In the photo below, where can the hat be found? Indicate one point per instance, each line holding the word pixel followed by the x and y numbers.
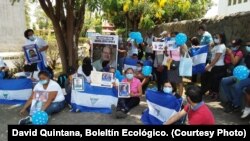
pixel 1 63
pixel 164 33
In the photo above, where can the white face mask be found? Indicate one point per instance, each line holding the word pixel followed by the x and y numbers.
pixel 217 41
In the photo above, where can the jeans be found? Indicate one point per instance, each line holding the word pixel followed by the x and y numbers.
pixel 120 64
pixel 128 103
pixel 226 91
pixel 55 107
pixel 238 95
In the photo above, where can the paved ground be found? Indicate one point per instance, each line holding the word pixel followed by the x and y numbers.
pixel 9 115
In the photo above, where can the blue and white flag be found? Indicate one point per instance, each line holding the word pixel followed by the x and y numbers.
pixel 161 107
pixel 94 99
pixel 199 56
pixel 130 63
pixel 15 91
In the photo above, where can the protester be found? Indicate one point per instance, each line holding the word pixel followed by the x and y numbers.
pixel 144 79
pixel 106 55
pixel 29 71
pixel 115 80
pixel 68 84
pixel 246 111
pixel 126 104
pixel 140 50
pixel 233 56
pixel 196 110
pixel 122 53
pixel 217 65
pixel 3 69
pixel 169 88
pixel 232 89
pixel 195 43
pixel 53 101
pixel 41 44
pixel 206 39
pixel 85 69
pixel 149 49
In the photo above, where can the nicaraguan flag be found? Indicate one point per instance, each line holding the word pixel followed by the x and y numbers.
pixel 160 107
pixel 94 99
pixel 199 56
pixel 15 91
pixel 130 63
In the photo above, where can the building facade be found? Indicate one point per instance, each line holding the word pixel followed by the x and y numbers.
pixel 227 7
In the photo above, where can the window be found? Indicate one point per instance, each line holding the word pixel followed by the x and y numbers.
pixel 234 2
pixel 229 2
pixel 239 1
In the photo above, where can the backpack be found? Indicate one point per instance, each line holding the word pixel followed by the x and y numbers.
pixel 61 80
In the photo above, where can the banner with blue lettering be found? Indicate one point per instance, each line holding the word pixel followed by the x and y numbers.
pixel 94 99
pixel 15 91
pixel 161 107
pixel 199 56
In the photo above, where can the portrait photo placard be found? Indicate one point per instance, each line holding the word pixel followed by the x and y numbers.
pixel 104 49
pixel 78 84
pixel 32 54
pixel 124 90
pixel 101 79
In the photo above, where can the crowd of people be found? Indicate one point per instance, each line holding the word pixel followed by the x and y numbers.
pixel 216 81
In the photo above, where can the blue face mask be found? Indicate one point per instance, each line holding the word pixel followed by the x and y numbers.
pixel 248 49
pixel 167 90
pixel 32 38
pixel 129 76
pixel 43 82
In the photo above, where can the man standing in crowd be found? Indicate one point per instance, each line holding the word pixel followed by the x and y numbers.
pixel 41 44
pixel 206 39
pixel 196 110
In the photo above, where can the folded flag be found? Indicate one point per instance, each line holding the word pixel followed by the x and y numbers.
pixel 15 91
pixel 199 56
pixel 161 107
pixel 94 99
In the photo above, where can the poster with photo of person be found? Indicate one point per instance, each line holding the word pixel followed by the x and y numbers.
pixel 78 84
pixel 104 51
pixel 102 79
pixel 158 46
pixel 32 54
pixel 124 90
pixel 38 101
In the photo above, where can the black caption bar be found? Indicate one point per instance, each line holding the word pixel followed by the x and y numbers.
pixel 87 132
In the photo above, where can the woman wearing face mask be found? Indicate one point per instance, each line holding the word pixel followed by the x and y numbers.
pixel 233 56
pixel 126 104
pixel 138 74
pixel 170 88
pixel 217 65
pixel 54 102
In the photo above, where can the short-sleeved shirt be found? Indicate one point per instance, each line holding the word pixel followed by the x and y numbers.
pixel 134 85
pixel 52 87
pixel 200 116
pixel 40 43
pixel 219 49
pixel 235 53
pixel 206 38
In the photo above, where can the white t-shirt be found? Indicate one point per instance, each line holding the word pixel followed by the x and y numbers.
pixel 219 49
pixel 35 75
pixel 40 43
pixel 53 86
pixel 79 71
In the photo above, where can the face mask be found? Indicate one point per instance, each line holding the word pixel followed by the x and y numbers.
pixel 248 49
pixel 138 68
pixel 167 90
pixel 43 82
pixel 32 38
pixel 234 48
pixel 129 76
pixel 217 41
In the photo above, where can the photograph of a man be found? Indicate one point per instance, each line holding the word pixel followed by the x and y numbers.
pixel 32 53
pixel 107 54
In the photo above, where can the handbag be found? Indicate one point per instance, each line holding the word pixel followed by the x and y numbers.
pixel 173 64
pixel 186 65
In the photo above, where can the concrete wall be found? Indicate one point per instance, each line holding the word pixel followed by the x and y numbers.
pixel 234 26
pixel 12 25
pixel 225 9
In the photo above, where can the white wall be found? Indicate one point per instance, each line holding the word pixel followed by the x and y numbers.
pixel 224 9
pixel 12 25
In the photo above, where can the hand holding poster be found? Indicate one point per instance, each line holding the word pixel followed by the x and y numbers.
pixel 158 46
pixel 32 54
pixel 124 90
pixel 102 79
pixel 104 48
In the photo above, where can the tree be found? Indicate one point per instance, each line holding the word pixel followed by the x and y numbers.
pixel 67 17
